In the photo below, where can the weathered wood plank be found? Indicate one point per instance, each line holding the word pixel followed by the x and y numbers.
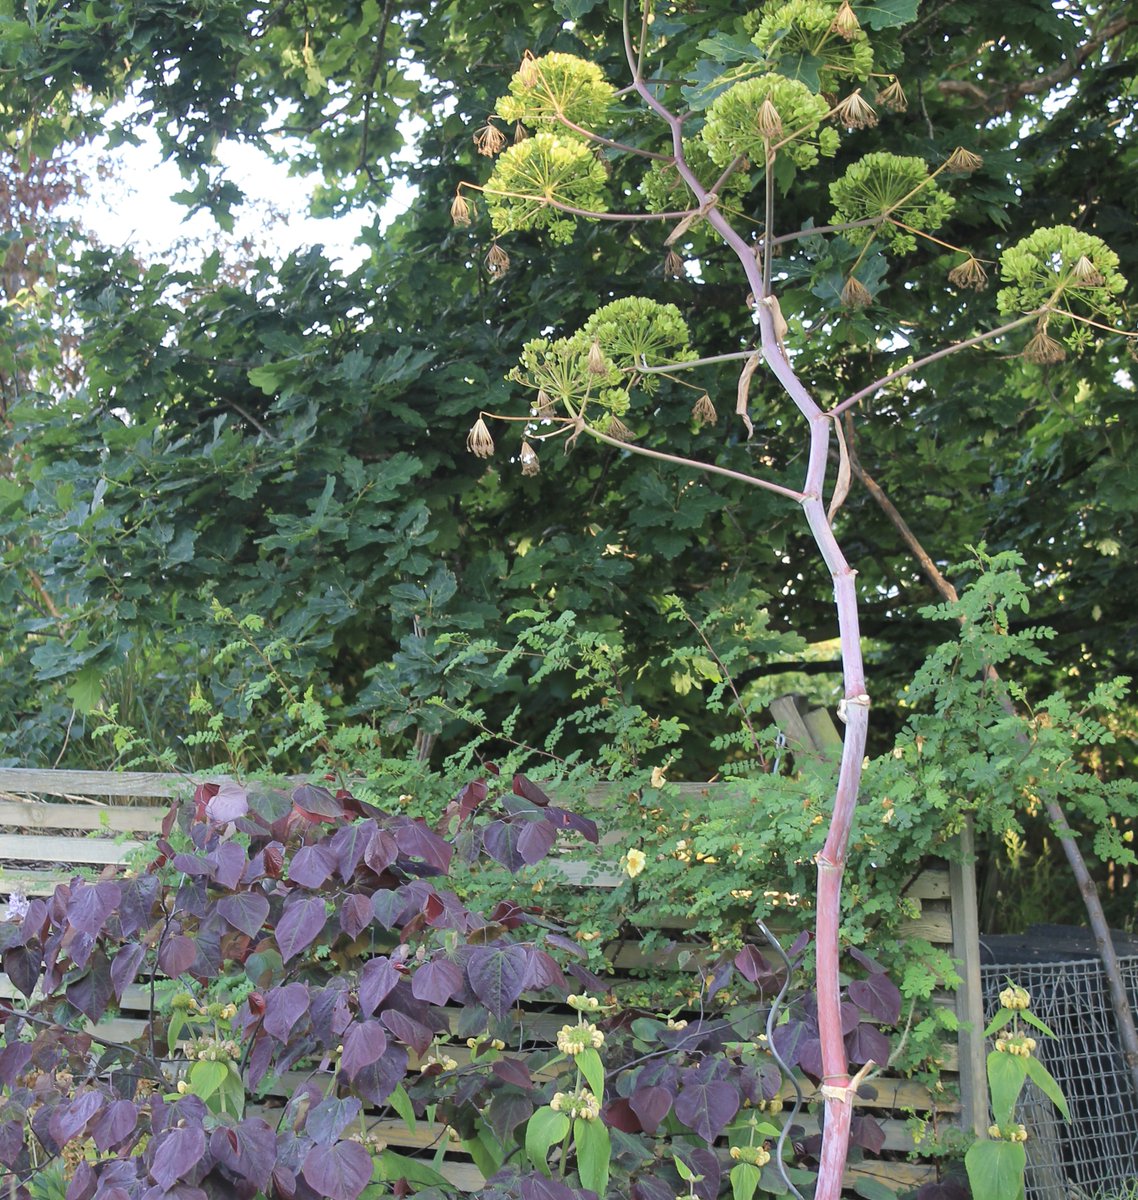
pixel 111 818
pixel 969 997
pixel 92 783
pixel 34 847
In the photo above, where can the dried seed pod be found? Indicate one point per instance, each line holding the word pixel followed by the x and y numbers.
pixel 963 162
pixel 855 113
pixel 544 409
pixel 969 274
pixel 1087 274
pixel 596 359
pixel 769 122
pixel 703 411
pixel 528 457
pixel 527 72
pixel 855 294
pixel 520 133
pixel 1043 348
pixel 674 267
pixel 478 440
pixel 461 211
pixel 893 97
pixel 489 140
pixel 845 22
pixel 497 261
pixel 616 428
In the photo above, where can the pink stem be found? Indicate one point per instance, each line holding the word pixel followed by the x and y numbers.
pixel 831 859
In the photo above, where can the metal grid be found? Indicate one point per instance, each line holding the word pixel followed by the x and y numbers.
pixel 1095 1154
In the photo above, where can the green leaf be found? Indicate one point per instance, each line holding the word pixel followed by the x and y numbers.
pixel 1032 1019
pixel 574 10
pixel 589 1064
pixel 1045 1081
pixel 544 1129
pixel 996 1170
pixel 178 1022
pixel 390 1165
pixel 744 1180
pixel 401 1102
pixel 1006 1075
pixel 874 1189
pixel 999 1021
pixel 594 1151
pixel 86 689
pixel 887 14
pixel 206 1077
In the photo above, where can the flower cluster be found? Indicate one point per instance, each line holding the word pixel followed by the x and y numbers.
pixel 209 1049
pixel 818 29
pixel 634 862
pixel 1016 1044
pixel 757 1156
pixel 889 185
pixel 1012 1133
pixel 545 89
pixel 1015 998
pixel 583 1003
pixel 582 1104
pixel 572 1039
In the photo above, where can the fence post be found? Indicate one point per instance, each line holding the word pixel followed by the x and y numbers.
pixel 969 998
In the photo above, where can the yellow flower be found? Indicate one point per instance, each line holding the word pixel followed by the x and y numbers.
pixel 572 1039
pixel 634 862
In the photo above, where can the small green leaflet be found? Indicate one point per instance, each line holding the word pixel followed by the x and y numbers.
pixel 887 14
pixel 574 10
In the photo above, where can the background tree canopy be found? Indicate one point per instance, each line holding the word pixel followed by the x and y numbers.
pixel 288 439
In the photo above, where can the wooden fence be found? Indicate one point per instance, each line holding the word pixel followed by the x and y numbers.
pixel 55 823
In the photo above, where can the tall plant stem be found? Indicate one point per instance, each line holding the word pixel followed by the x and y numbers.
pixel 1120 1001
pixel 831 859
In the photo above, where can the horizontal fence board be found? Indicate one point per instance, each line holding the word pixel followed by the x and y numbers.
pixel 112 818
pixel 33 847
pixel 150 784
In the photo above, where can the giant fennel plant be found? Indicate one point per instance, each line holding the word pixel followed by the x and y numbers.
pixel 777 107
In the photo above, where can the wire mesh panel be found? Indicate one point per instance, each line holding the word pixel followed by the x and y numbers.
pixel 1095 1154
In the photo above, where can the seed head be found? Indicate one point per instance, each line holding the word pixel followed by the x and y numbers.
pixel 845 23
pixel 528 457
pixel 1087 274
pixel 963 162
pixel 703 411
pixel 855 113
pixel 497 261
pixel 855 294
pixel 489 140
pixel 527 72
pixel 520 133
pixel 616 428
pixel 893 97
pixel 674 267
pixel 1043 348
pixel 596 359
pixel 478 440
pixel 769 122
pixel 461 211
pixel 969 274
pixel 545 408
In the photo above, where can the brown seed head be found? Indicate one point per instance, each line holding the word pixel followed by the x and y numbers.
pixel 545 409
pixel 520 133
pixel 769 122
pixel 674 267
pixel 489 140
pixel 963 162
pixel 497 261
pixel 461 211
pixel 478 440
pixel 845 23
pixel 528 458
pixel 1086 273
pixel 703 411
pixel 855 294
pixel 1043 348
pixel 596 360
pixel 893 97
pixel 527 72
pixel 970 274
pixel 855 113
pixel 616 428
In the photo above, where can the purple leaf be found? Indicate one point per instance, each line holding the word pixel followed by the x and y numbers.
pixel 22 966
pixel 497 976
pixel 568 820
pixel 542 972
pixel 867 1042
pixel 116 1124
pixel 703 1162
pixel 330 1118
pixel 70 1120
pixel 91 904
pixel 311 866
pixel 528 790
pixel 436 981
pixel 810 1056
pixel 755 968
pixel 500 840
pixel 300 925
pixel 356 914
pixel 409 1031
pixel 124 967
pixel 388 907
pixel 535 840
pixel 245 911
pixel 707 1107
pixel 230 803
pixel 348 845
pixel 364 1043
pixel 878 997
pixel 380 851
pixel 91 994
pixel 867 1133
pixel 339 1172
pixel 417 841
pixel 317 803
pixel 377 979
pixel 870 964
pixel 284 1006
pixel 651 1187
pixel 177 954
pixel 651 1105
pixel 176 1152
pixel 512 1070
pixel 537 1187
pixel 379 1079
pixel 248 1149
pixel 228 862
